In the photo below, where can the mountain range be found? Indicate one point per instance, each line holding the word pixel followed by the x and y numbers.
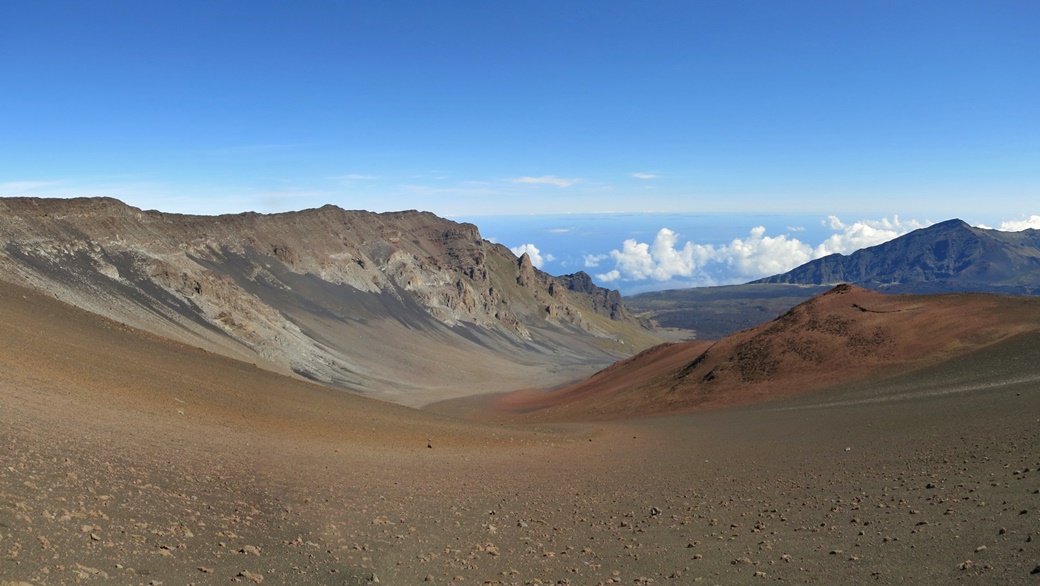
pixel 404 306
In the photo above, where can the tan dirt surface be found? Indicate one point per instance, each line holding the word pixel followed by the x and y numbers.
pixel 125 459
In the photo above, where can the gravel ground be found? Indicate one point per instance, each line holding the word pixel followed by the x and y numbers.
pixel 173 466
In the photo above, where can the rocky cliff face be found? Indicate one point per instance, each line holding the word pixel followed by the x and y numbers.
pixel 379 303
pixel 946 257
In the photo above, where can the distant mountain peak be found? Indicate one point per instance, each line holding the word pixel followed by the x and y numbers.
pixel 944 257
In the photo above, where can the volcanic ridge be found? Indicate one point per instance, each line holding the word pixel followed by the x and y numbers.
pixel 401 306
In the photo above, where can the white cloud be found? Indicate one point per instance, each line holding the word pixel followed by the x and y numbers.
pixel 862 234
pixel 759 255
pixel 1019 225
pixel 357 177
pixel 659 261
pixel 547 180
pixel 742 259
pixel 538 258
pixel 645 175
pixel 592 260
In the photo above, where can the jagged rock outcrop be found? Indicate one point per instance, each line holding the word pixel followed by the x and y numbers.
pixel 606 301
pixel 344 297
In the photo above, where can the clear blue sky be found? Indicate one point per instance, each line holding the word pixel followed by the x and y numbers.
pixel 863 110
pixel 466 108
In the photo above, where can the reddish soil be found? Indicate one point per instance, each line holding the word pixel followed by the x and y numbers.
pixel 846 335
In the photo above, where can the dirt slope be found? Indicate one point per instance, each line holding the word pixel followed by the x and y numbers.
pixel 842 336
pixel 128 459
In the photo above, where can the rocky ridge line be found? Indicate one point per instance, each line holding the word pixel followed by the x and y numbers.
pixel 290 288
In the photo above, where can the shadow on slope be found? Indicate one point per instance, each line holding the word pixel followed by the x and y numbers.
pixel 404 306
pixel 67 363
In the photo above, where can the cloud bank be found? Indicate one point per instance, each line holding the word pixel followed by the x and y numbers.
pixel 538 258
pixel 1019 225
pixel 742 259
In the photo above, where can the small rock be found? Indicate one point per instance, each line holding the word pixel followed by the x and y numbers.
pixel 930 485
pixel 654 511
pixel 250 550
pixel 966 564
pixel 254 578
pixel 1036 570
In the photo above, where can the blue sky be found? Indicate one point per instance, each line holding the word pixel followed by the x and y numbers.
pixel 862 110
